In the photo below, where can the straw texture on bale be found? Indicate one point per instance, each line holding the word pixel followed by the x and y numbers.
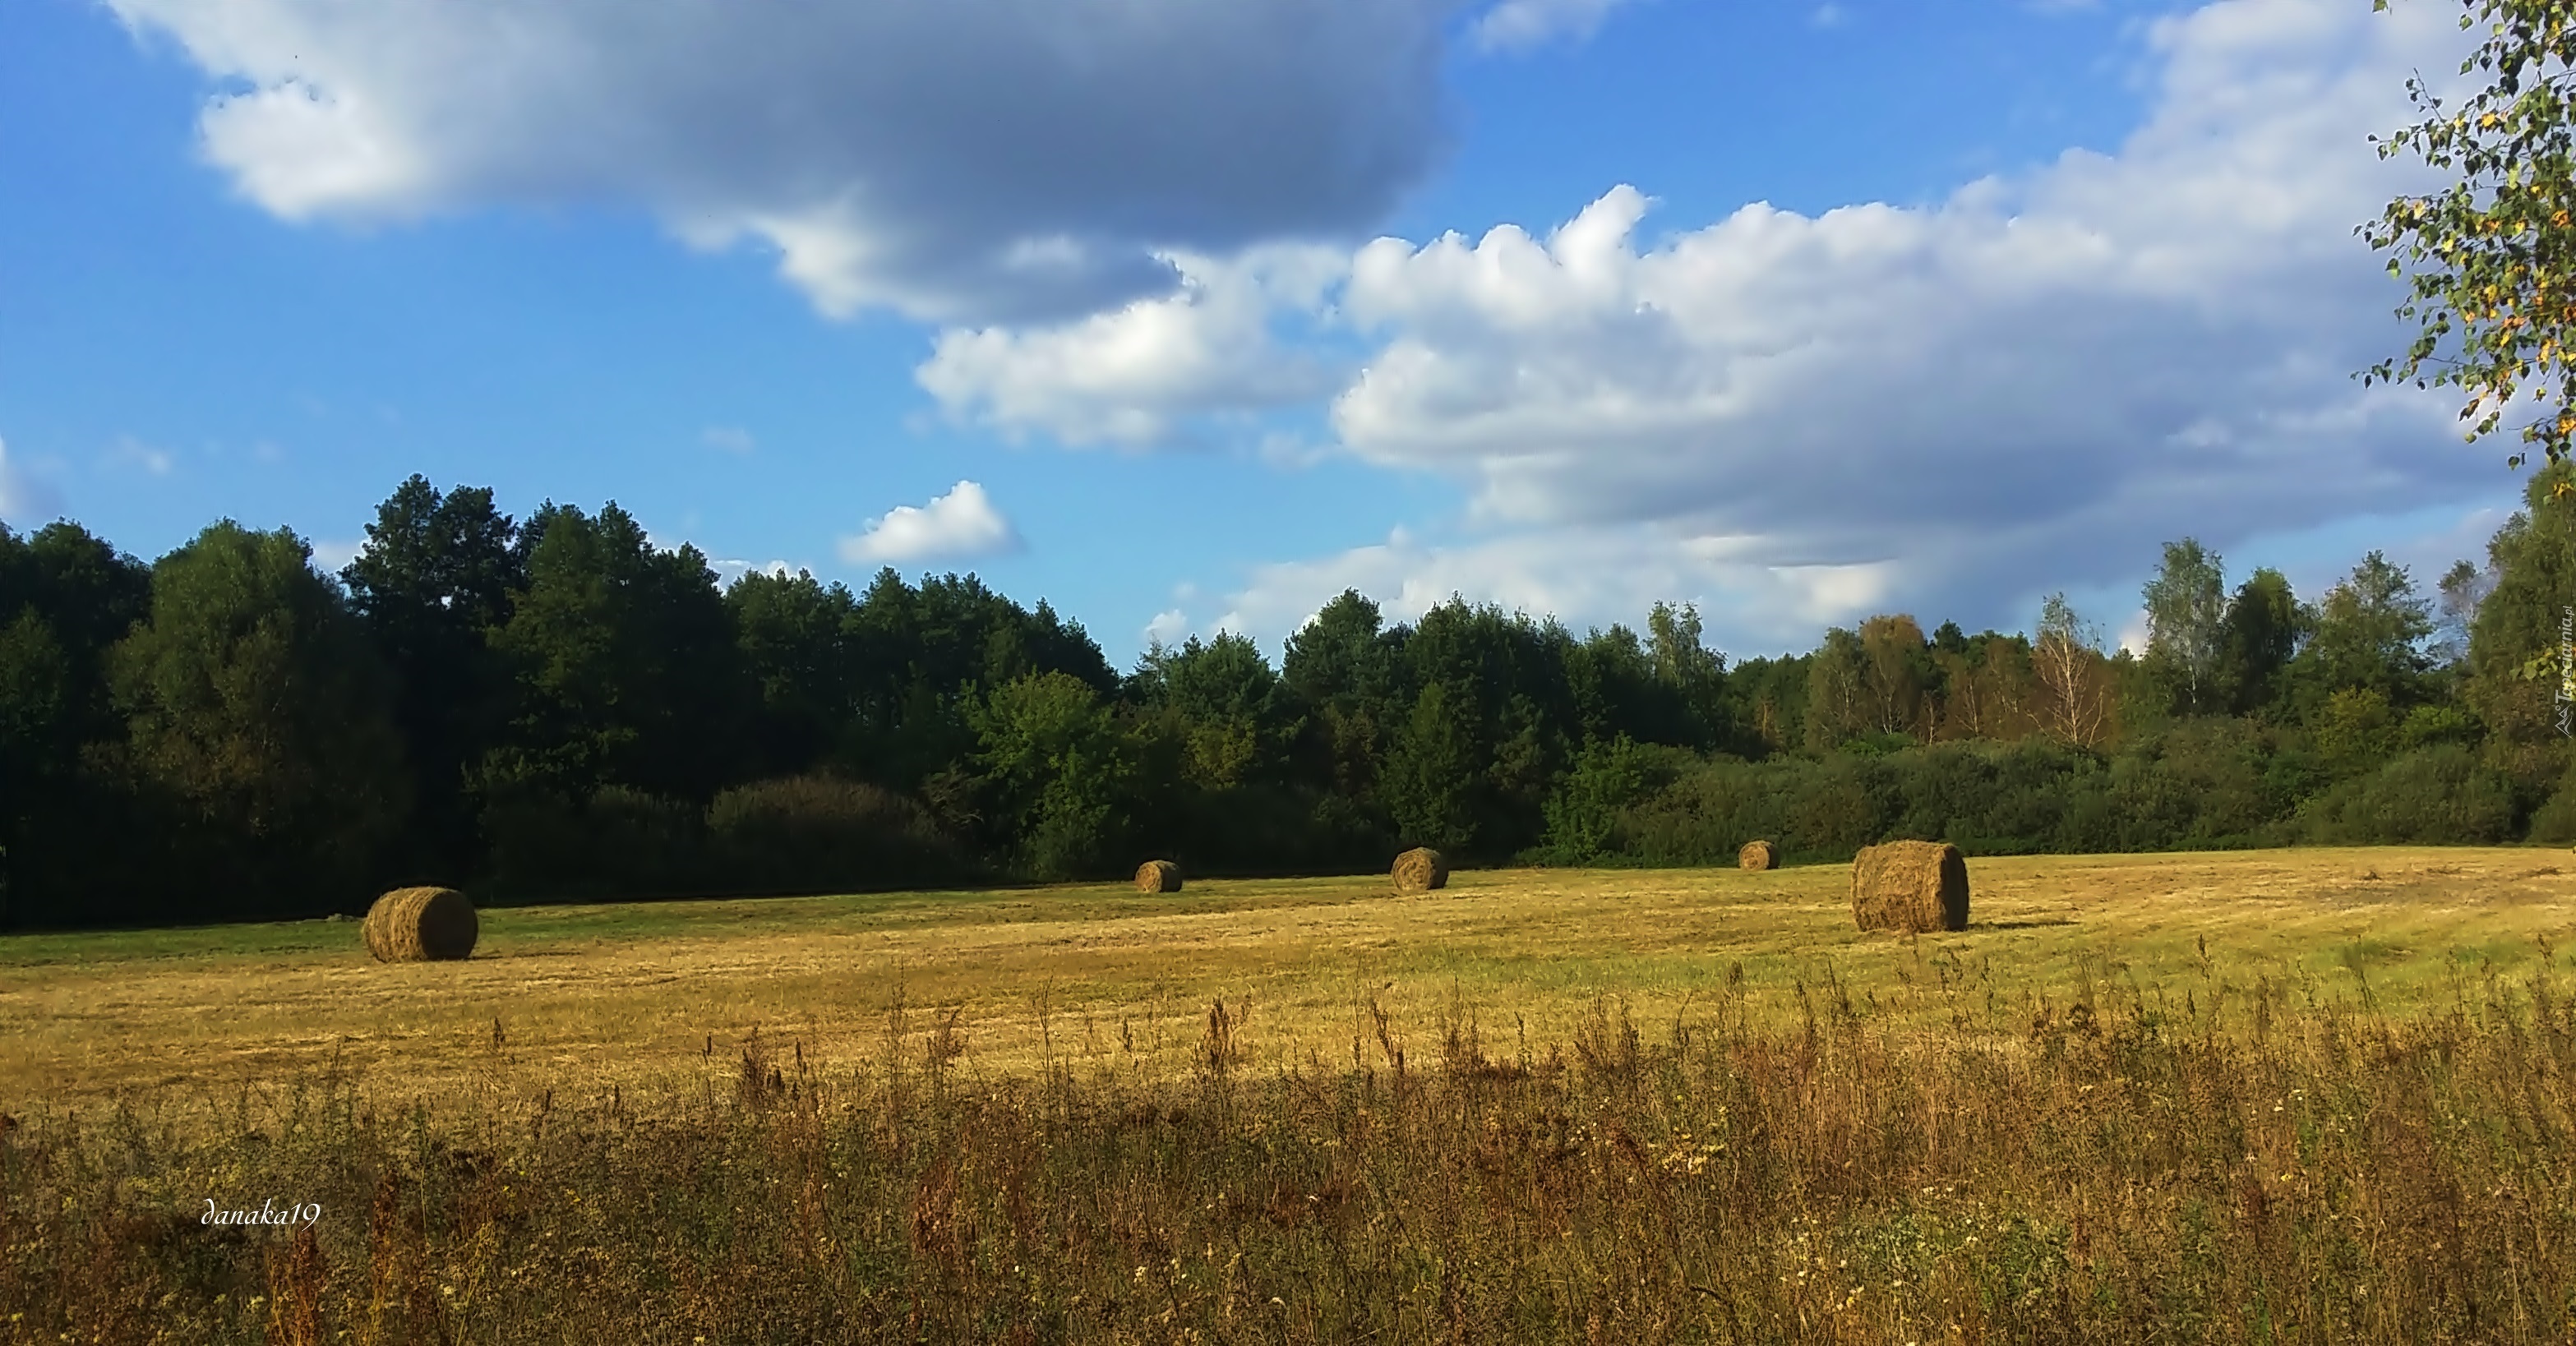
pixel 1158 876
pixel 1758 855
pixel 412 925
pixel 1420 870
pixel 1910 886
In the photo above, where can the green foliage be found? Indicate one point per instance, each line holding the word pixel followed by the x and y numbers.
pixel 1430 786
pixel 2437 794
pixel 1062 773
pixel 2369 633
pixel 252 698
pixel 2187 627
pixel 617 841
pixel 1584 815
pixel 1226 706
pixel 2264 626
pixel 561 709
pixel 826 834
pixel 626 663
pixel 2519 632
pixel 2490 258
pixel 436 577
pixel 792 631
pixel 2354 731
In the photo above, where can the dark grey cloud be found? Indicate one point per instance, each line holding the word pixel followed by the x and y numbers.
pixel 955 159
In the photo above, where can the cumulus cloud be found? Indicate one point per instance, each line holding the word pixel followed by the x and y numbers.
pixel 2030 383
pixel 962 523
pixel 1952 407
pixel 959 161
pixel 1518 25
pixel 1139 375
pixel 1596 573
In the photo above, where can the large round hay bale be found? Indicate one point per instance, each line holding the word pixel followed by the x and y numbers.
pixel 1158 876
pixel 412 925
pixel 1758 855
pixel 1910 886
pixel 1420 870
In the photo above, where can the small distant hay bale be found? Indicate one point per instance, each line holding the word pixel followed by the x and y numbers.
pixel 1911 886
pixel 1420 870
pixel 413 925
pixel 1158 876
pixel 1758 855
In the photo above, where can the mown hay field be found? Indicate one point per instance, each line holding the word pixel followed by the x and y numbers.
pixel 594 996
pixel 2263 1097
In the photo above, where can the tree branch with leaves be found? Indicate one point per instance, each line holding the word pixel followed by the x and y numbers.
pixel 2490 260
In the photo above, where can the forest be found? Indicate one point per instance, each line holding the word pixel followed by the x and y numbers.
pixel 554 708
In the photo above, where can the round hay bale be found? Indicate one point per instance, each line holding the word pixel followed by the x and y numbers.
pixel 1758 855
pixel 1420 870
pixel 1910 886
pixel 1158 876
pixel 413 925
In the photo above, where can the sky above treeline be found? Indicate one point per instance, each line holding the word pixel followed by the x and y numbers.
pixel 1189 314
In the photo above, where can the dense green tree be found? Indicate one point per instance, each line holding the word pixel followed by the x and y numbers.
pixel 626 665
pixel 1061 773
pixel 2368 632
pixel 253 699
pixel 2265 625
pixel 66 598
pixel 2519 685
pixel 435 578
pixel 1343 669
pixel 1507 713
pixel 795 635
pixel 920 655
pixel 1229 708
pixel 1432 784
pixel 1767 704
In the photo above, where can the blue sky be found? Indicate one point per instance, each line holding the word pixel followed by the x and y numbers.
pixel 1153 308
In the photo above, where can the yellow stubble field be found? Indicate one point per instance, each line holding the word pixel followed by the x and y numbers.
pixel 1100 979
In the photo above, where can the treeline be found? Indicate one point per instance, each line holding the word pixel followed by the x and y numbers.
pixel 555 708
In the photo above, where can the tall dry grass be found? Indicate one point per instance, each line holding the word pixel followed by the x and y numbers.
pixel 2204 1164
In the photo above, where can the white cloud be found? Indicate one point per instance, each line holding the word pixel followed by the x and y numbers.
pixel 1518 25
pixel 1585 573
pixel 955 161
pixel 734 568
pixel 1167 628
pixel 961 523
pixel 727 439
pixel 2027 385
pixel 25 500
pixel 1139 375
pixel 127 451
pixel 335 554
pixel 1952 408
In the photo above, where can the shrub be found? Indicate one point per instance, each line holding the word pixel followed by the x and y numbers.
pixel 2436 794
pixel 619 842
pixel 823 833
